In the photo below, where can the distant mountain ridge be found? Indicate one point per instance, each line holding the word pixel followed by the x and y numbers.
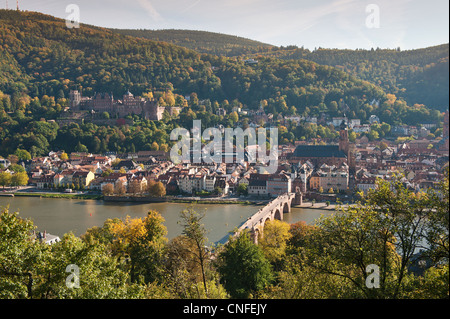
pixel 202 41
pixel 47 58
pixel 419 76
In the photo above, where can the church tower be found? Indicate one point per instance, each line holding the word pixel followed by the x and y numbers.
pixel 346 148
pixel 343 138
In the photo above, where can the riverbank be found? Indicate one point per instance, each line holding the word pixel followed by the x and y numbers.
pixel 134 199
pixel 59 195
pixel 186 200
pixel 222 201
pixel 60 216
pixel 170 199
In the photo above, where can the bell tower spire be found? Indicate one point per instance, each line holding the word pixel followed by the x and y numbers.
pixel 343 138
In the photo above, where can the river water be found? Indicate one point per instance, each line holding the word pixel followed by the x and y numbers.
pixel 60 216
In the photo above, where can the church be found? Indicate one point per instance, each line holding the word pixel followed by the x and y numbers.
pixel 325 154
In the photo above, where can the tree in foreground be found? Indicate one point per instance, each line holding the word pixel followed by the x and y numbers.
pixel 141 241
pixel 370 250
pixel 243 268
pixel 35 270
pixel 274 241
pixel 195 231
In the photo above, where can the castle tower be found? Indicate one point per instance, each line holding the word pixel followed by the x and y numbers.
pixel 151 110
pixel 74 98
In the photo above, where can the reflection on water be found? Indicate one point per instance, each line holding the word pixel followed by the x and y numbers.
pixel 60 216
pixel 308 215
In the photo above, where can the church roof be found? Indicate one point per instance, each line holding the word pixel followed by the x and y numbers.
pixel 318 151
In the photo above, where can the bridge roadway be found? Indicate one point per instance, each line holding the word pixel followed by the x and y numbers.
pixel 275 209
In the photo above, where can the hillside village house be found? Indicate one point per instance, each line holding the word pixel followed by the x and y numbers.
pixel 209 183
pixel 257 185
pixel 44 182
pixel 4 162
pixel 137 184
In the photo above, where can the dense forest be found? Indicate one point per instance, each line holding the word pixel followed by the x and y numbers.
pixel 48 58
pixel 42 60
pixel 51 58
pixel 419 76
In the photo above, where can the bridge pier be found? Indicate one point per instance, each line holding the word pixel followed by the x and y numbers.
pixel 298 200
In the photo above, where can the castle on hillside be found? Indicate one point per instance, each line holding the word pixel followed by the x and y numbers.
pixel 129 105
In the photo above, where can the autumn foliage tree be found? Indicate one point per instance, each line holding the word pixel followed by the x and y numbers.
pixel 108 189
pixel 274 240
pixel 139 242
pixel 156 189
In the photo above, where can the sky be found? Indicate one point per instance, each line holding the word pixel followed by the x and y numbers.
pixel 342 24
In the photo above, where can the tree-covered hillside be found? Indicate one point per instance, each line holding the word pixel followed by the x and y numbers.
pixel 48 58
pixel 202 41
pixel 41 60
pixel 419 76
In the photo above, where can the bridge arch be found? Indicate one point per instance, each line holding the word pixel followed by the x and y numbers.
pixel 275 209
pixel 278 215
pixel 287 207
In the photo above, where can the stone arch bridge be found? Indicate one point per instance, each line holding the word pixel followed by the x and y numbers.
pixel 275 209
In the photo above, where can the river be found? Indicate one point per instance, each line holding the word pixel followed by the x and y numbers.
pixel 60 216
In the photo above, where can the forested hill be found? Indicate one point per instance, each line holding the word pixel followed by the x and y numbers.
pixel 41 60
pixel 45 57
pixel 41 56
pixel 203 41
pixel 419 76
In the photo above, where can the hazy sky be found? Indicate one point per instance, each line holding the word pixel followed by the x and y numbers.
pixel 407 24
